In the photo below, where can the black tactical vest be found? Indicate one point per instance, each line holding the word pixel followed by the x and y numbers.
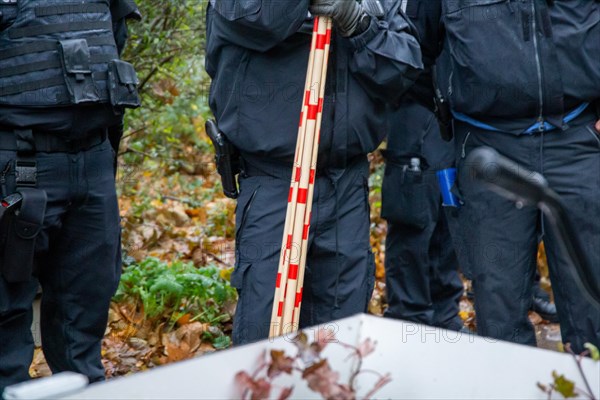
pixel 61 52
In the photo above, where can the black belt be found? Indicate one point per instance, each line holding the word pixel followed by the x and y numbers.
pixel 263 166
pixel 52 143
pixel 272 169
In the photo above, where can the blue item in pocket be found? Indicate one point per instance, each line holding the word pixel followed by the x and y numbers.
pixel 446 179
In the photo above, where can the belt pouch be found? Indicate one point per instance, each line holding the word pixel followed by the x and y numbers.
pixel 20 230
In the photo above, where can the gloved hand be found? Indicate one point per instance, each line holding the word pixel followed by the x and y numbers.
pixel 346 14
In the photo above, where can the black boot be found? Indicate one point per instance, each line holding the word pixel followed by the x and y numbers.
pixel 541 304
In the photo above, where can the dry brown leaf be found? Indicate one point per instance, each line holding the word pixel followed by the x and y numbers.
pixel 285 393
pixel 322 379
pixel 174 349
pixel 535 318
pixel 205 348
pixel 39 368
pixel 172 214
pixel 190 334
pixel 323 337
pixel 366 347
pixel 280 363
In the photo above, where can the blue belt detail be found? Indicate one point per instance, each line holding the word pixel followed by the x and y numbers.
pixel 471 121
pixel 532 129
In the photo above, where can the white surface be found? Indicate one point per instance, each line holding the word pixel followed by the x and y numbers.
pixel 49 388
pixel 425 363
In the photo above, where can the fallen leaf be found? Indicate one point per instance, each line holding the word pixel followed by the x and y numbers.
pixel 366 347
pixel 184 319
pixel 323 380
pixel 174 348
pixel 564 386
pixel 535 318
pixel 280 363
pixel 258 389
pixel 286 393
pixel 323 337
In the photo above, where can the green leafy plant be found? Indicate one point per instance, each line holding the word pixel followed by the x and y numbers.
pixel 169 292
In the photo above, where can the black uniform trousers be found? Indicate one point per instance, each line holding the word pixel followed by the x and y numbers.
pixel 77 264
pixel 340 270
pixel 421 271
pixel 499 241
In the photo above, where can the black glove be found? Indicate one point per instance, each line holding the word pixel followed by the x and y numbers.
pixel 347 14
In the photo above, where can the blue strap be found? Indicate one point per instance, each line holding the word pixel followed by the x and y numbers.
pixel 570 117
pixel 575 113
pixel 536 127
pixel 465 118
pixel 533 128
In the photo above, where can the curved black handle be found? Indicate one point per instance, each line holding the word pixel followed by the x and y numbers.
pixel 507 177
pixel 525 187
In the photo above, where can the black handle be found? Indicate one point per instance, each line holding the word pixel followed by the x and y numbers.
pixel 226 158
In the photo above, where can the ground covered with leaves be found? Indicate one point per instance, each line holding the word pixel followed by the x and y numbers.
pixel 174 301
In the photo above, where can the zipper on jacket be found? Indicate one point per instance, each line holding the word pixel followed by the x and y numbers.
pixel 538 66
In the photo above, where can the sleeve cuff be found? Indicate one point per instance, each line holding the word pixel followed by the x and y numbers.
pixel 359 42
pixel 125 9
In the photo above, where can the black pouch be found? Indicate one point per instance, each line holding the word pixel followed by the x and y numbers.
pixel 406 197
pixel 122 85
pixel 76 60
pixel 19 231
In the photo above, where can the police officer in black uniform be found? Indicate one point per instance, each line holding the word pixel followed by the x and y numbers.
pixel 257 54
pixel 421 271
pixel 524 78
pixel 63 90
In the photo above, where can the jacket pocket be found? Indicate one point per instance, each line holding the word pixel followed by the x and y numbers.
pixel 232 10
pixel 479 84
